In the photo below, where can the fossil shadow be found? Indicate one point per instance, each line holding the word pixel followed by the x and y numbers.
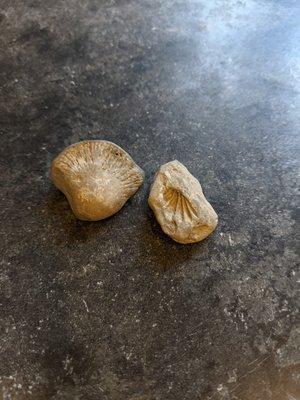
pixel 162 252
pixel 67 227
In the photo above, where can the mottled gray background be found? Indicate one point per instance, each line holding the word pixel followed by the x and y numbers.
pixel 115 310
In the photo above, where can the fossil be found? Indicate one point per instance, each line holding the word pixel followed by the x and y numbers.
pixel 178 202
pixel 97 177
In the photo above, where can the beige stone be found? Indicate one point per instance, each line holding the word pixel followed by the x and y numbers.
pixel 97 177
pixel 179 204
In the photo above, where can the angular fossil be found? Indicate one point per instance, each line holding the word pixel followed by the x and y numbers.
pixel 97 177
pixel 179 205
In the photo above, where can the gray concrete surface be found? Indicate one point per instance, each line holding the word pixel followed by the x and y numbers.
pixel 115 310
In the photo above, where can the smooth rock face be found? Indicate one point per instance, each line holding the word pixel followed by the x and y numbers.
pixel 97 177
pixel 179 204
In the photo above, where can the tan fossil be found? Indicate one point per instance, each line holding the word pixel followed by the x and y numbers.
pixel 178 202
pixel 97 177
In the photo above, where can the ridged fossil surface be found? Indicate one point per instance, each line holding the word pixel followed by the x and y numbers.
pixel 97 177
pixel 179 204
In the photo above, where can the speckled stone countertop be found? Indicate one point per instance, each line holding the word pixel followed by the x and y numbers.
pixel 115 310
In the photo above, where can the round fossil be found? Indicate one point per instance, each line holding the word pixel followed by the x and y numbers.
pixel 179 204
pixel 97 177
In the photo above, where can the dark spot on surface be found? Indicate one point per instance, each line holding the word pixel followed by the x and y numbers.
pixel 72 50
pixel 34 32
